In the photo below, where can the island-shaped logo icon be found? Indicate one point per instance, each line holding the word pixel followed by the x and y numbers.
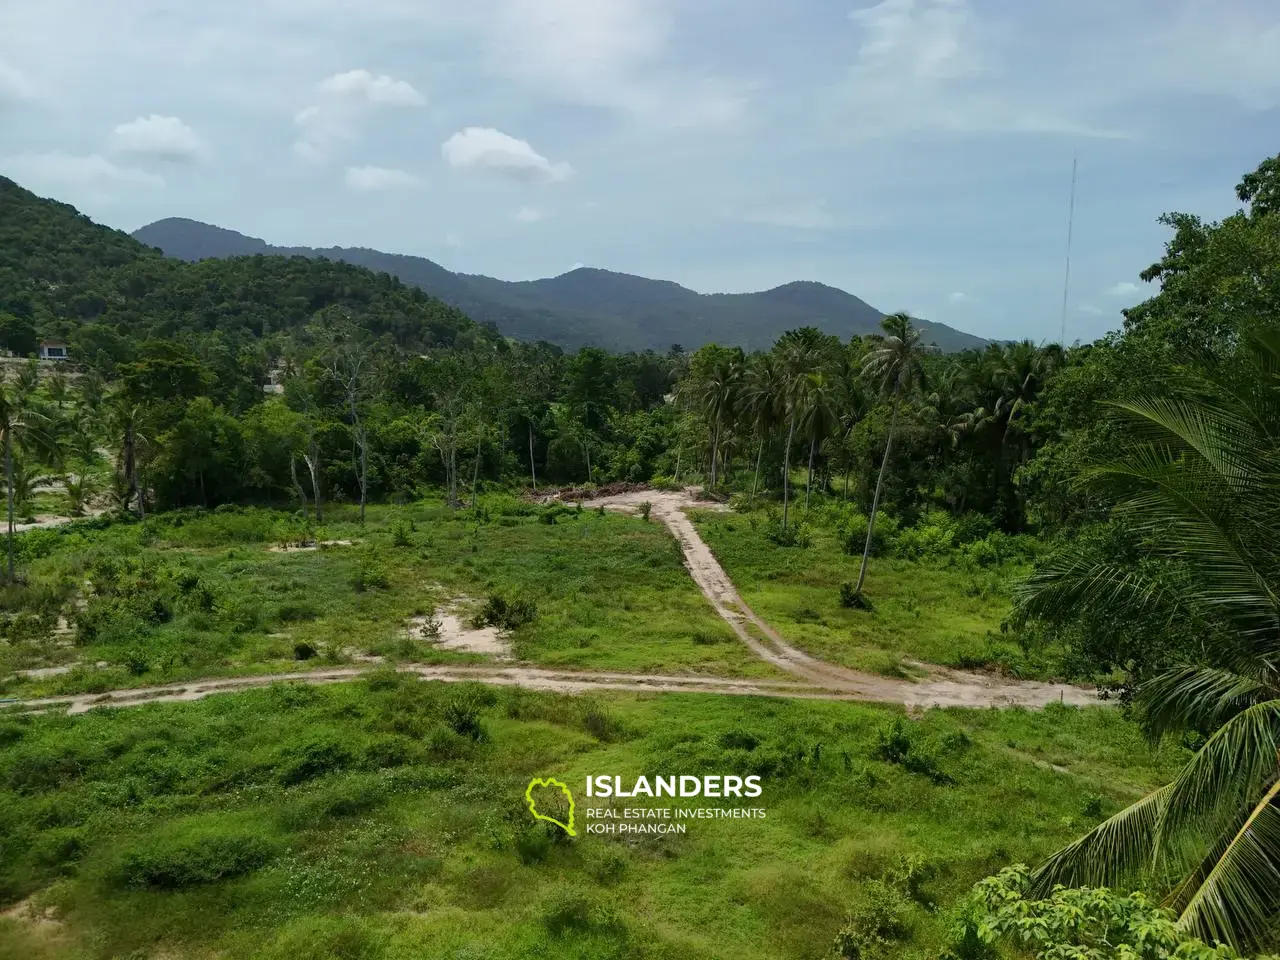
pixel 551 784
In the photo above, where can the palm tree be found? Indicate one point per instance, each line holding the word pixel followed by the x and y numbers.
pixel 817 416
pixel 126 423
pixel 894 365
pixel 763 391
pixel 24 425
pixel 1200 483
pixel 716 395
pixel 798 359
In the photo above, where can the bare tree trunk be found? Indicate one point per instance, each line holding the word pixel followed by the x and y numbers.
pixel 297 485
pixel 312 460
pixel 786 472
pixel 587 447
pixel 756 482
pixel 679 454
pixel 875 499
pixel 475 477
pixel 533 473
pixel 715 443
pixel 8 482
pixel 808 483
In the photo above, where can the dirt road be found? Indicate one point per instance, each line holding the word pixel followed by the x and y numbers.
pixel 943 687
pixel 815 679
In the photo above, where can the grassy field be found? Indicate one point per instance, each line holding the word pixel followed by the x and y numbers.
pixel 199 594
pixel 384 819
pixel 945 608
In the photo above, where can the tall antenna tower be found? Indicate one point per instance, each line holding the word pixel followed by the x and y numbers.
pixel 1066 281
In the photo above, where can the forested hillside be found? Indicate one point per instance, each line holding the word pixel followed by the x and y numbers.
pixel 585 307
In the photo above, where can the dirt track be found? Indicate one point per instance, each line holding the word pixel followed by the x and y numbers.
pixel 815 679
pixel 943 688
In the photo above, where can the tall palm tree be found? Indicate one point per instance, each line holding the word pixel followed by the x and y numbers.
pixel 23 424
pixel 1200 483
pixel 894 365
pixel 126 424
pixel 817 402
pixel 762 402
pixel 716 395
pixel 798 359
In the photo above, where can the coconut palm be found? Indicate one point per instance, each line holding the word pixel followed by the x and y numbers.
pixel 817 401
pixel 23 425
pixel 1200 484
pixel 126 423
pixel 762 402
pixel 894 366
pixel 798 358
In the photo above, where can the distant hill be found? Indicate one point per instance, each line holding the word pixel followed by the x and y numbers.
pixel 63 275
pixel 585 306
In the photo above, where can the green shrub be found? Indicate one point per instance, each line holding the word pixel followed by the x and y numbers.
pixel 498 611
pixel 303 651
pixel 645 508
pixel 191 858
pixel 371 575
pixel 851 599
pixel 900 744
pixel 853 533
pixel 565 911
pixel 794 535
pixel 320 754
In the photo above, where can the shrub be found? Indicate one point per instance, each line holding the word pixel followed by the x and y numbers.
pixel 794 535
pixel 401 533
pixel 371 576
pixel 303 651
pixel 883 918
pixel 188 859
pixel 853 534
pixel 644 509
pixel 297 611
pixel 899 744
pixel 322 754
pixel 566 910
pixel 463 717
pixel 851 599
pixel 507 614
pixel 533 845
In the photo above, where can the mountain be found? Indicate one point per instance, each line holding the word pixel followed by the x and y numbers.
pixel 63 275
pixel 584 306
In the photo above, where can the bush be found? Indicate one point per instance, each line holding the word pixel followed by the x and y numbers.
pixel 189 859
pixel 851 599
pixel 853 533
pixel 507 614
pixel 322 754
pixel 795 535
pixel 401 533
pixel 882 919
pixel 645 508
pixel 303 651
pixel 463 717
pixel 371 576
pixel 899 744
pixel 566 910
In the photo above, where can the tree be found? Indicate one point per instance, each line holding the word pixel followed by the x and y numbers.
pixel 348 357
pixel 24 425
pixel 894 364
pixel 126 420
pixel 817 416
pixel 1197 484
pixel 762 403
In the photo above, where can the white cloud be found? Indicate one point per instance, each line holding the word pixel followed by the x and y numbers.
pixel 15 86
pixel 1092 310
pixel 486 149
pixel 805 216
pixel 379 178
pixel 576 266
pixel 607 53
pixel 362 84
pixel 92 176
pixel 957 297
pixel 157 137
pixel 1125 288
pixel 529 215
pixel 345 100
pixel 934 65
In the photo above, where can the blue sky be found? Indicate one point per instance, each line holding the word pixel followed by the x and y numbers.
pixel 916 153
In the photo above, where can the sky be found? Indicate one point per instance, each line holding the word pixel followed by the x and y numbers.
pixel 916 153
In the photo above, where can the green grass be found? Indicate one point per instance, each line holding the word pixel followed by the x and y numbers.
pixel 356 821
pixel 944 611
pixel 199 594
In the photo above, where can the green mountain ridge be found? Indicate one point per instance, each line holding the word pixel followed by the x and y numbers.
pixel 586 306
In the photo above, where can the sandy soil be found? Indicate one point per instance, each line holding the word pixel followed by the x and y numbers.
pixel 305 547
pixel 458 635
pixel 814 679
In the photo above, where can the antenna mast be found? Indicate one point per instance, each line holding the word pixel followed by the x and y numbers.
pixel 1066 281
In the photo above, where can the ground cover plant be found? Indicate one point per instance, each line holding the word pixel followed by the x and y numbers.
pixel 385 818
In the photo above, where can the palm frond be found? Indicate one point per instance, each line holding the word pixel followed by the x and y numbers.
pixel 1200 697
pixel 1237 900
pixel 1116 850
